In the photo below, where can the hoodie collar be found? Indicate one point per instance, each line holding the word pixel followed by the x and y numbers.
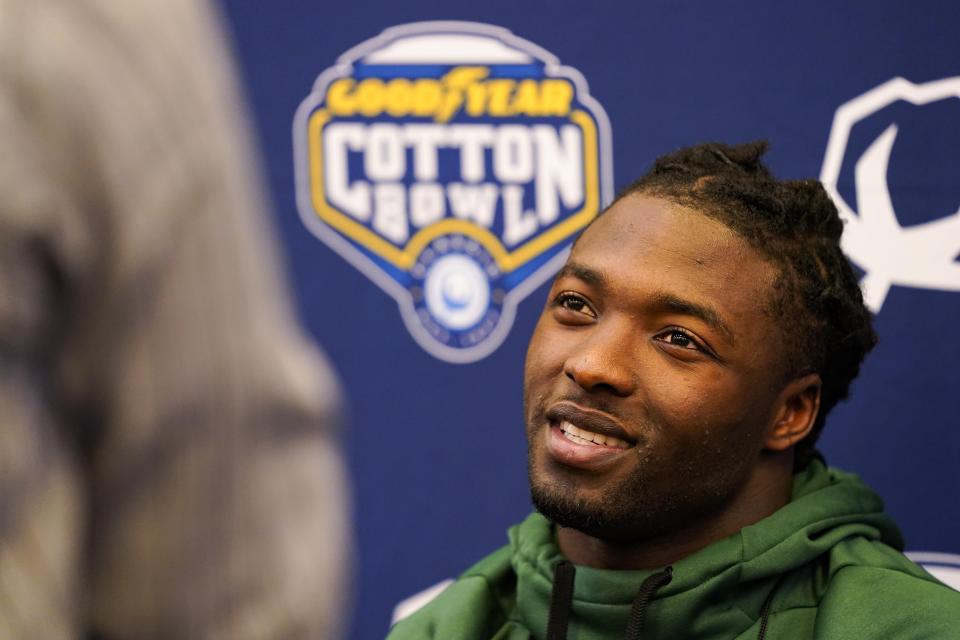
pixel 826 506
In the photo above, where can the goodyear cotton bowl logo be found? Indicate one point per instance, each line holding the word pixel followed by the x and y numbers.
pixel 922 255
pixel 452 163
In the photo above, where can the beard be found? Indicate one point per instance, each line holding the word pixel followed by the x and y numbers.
pixel 638 508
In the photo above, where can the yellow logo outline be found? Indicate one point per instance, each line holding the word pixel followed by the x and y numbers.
pixel 404 258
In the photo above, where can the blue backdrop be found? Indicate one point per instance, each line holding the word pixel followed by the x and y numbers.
pixel 436 448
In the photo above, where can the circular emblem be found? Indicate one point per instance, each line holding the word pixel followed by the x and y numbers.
pixel 456 290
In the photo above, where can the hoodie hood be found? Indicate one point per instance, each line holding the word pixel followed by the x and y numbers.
pixel 827 507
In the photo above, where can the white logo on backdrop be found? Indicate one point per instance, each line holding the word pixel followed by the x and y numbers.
pixel 922 255
pixel 945 567
pixel 409 606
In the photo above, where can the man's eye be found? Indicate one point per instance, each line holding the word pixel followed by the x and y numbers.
pixel 574 302
pixel 679 338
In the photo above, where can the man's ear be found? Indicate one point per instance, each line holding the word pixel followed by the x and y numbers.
pixel 796 413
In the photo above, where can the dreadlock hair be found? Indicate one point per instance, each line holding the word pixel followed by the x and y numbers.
pixel 794 224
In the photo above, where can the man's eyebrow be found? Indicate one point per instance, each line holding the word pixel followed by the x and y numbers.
pixel 584 273
pixel 661 300
pixel 707 314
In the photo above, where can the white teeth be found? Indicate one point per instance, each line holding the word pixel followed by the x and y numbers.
pixel 576 439
pixel 582 436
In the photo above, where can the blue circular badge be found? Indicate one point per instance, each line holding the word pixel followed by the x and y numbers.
pixel 456 291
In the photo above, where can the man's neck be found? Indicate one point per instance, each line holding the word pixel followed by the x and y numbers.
pixel 765 492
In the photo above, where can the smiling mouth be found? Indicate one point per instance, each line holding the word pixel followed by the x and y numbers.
pixel 585 438
pixel 581 436
pixel 588 426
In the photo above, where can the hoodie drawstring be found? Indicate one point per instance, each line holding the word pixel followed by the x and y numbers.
pixel 765 610
pixel 638 613
pixel 561 601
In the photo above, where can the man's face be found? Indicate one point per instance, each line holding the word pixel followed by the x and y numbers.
pixel 652 376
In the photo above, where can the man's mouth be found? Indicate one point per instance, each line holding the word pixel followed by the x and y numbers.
pixel 586 437
pixel 589 425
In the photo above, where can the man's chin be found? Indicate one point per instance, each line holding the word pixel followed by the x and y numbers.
pixel 603 512
pixel 584 515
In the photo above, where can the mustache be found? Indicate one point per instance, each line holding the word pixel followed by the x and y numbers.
pixel 583 400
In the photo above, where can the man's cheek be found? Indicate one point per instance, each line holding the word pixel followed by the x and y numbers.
pixel 690 403
pixel 534 347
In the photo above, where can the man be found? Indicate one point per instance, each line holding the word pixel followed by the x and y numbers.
pixel 690 349
pixel 169 464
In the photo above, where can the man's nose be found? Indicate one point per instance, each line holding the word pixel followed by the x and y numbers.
pixel 603 362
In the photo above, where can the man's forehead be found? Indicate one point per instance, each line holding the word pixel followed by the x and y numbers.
pixel 639 228
pixel 663 252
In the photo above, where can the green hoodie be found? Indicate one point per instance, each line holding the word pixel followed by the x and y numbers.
pixel 826 565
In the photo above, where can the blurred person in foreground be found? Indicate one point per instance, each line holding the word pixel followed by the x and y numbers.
pixel 689 352
pixel 168 462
